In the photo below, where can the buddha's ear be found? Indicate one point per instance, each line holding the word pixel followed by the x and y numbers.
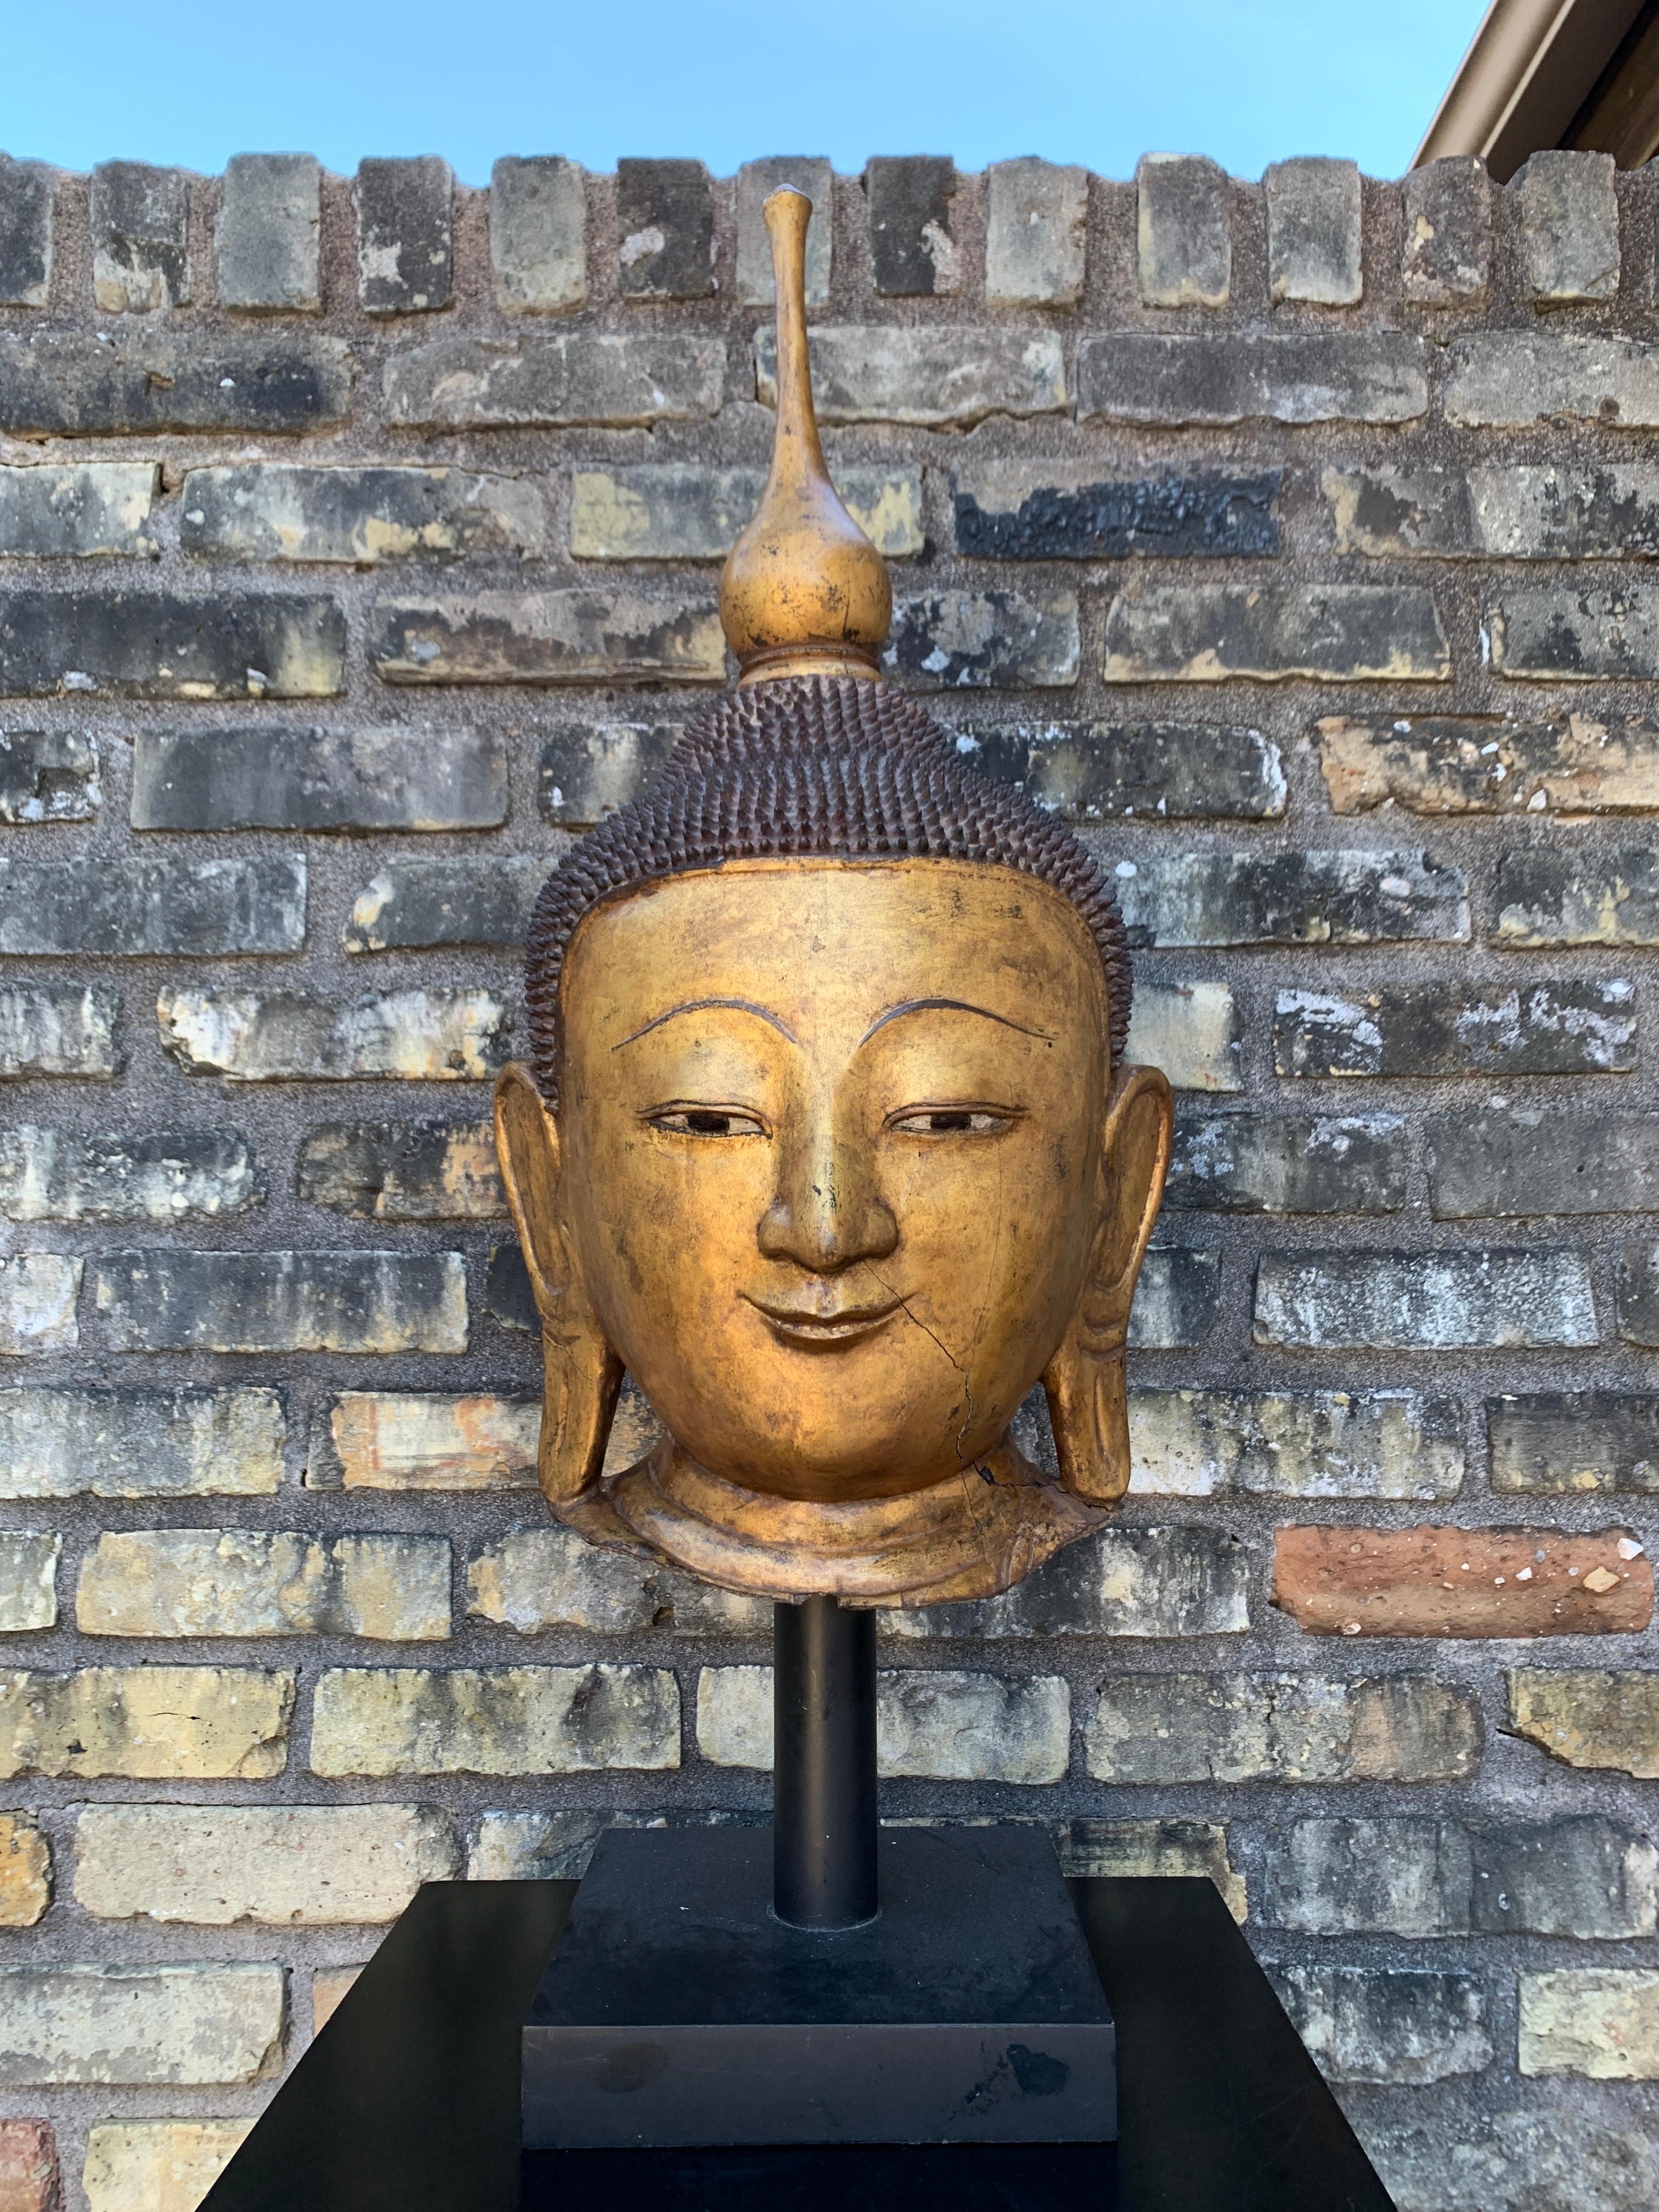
pixel 582 1374
pixel 1088 1402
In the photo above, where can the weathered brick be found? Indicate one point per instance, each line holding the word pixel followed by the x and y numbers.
pixel 1601 2022
pixel 914 250
pixel 29 2177
pixel 1321 1444
pixel 1388 2024
pixel 1177 1299
pixel 665 230
pixel 64 384
pixel 257 1582
pixel 28 1580
pixel 1332 897
pixel 1306 376
pixel 539 234
pixel 355 1302
pixel 1507 379
pixel 87 509
pixel 1568 227
pixel 406 235
pixel 162 645
pixel 1480 764
pixel 274 1037
pixel 68 1175
pixel 1537 1028
pixel 562 381
pixel 1191 1030
pixel 1313 231
pixel 1446 1301
pixel 107 905
pixel 926 378
pixel 939 1724
pixel 586 636
pixel 1144 1581
pixel 330 1987
pixel 25 1894
pixel 1552 2161
pixel 1574 1442
pixel 318 780
pixel 1068 510
pixel 1585 895
pixel 756 182
pixel 146 1723
pixel 536 1846
pixel 140 238
pixel 1282 1728
pixel 1445 260
pixel 534 1579
pixel 65 1028
pixel 270 236
pixel 1092 772
pixel 1638 1294
pixel 589 769
pixel 1589 1718
pixel 1211 632
pixel 503 1720
pixel 1037 217
pixel 979 640
pixel 37 1292
pixel 1287 1163
pixel 27 220
pixel 412 1440
pixel 1157 1849
pixel 48 775
pixel 402 1170
pixel 1461 1581
pixel 684 511
pixel 281 511
pixel 427 902
pixel 1507 513
pixel 289 1866
pixel 1183 234
pixel 1521 1160
pixel 143 2025
pixel 157 2165
pixel 1566 631
pixel 140 1443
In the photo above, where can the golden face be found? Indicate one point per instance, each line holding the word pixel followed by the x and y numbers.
pixel 828 1134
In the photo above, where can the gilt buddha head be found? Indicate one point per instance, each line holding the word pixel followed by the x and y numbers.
pixel 827 1139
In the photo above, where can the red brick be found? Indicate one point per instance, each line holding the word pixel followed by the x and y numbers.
pixel 28 2167
pixel 1461 1581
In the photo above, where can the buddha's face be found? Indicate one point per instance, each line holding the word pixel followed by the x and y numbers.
pixel 829 1157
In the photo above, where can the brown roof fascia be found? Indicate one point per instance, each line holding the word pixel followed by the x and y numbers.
pixel 1527 79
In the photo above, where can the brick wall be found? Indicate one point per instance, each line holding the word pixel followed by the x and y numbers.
pixel 358 547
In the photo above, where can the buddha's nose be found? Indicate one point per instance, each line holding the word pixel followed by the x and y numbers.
pixel 827 1212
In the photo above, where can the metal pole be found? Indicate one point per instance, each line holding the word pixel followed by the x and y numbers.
pixel 824 1779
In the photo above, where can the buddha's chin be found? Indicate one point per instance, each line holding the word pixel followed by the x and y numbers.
pixel 832 1468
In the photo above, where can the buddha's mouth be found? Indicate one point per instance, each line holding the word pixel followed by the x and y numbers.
pixel 809 1330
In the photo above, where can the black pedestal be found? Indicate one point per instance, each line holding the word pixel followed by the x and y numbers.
pixel 679 2010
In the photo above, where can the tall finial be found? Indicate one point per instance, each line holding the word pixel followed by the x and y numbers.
pixel 803 592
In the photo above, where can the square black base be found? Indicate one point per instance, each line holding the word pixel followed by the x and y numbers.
pixel 678 2012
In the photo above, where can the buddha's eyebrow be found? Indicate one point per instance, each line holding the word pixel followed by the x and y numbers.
pixel 701 1005
pixel 950 1007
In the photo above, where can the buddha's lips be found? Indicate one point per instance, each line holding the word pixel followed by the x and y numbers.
pixel 809 1330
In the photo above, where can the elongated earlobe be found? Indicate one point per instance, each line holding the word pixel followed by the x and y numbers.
pixel 1088 1401
pixel 583 1374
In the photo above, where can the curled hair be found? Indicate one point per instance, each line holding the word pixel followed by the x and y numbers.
pixel 827 767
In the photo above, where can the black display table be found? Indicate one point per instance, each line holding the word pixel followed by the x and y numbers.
pixel 409 2100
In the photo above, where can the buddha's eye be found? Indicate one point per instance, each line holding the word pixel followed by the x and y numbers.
pixel 951 1121
pixel 706 1122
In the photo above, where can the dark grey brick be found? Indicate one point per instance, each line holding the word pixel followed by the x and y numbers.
pixel 402 1171
pixel 1313 231
pixel 365 517
pixel 1161 1580
pixel 539 234
pixel 1287 1163
pixel 1572 1442
pixel 429 903
pixel 508 1297
pixel 1530 1028
pixel 1090 772
pixel 1569 223
pixel 617 380
pixel 1183 231
pixel 1587 894
pixel 349 1302
pixel 985 641
pixel 1206 633
pixel 208 908
pixel 296 779
pixel 1177 1299
pixel 870 373
pixel 1025 511
pixel 1446 257
pixel 1569 630
pixel 1550 513
pixel 1638 1294
pixel 913 243
pixel 589 769
pixel 27 214
pixel 88 509
pixel 665 230
pixel 161 644
pixel 756 182
pixel 1525 1160
pixel 140 238
pixel 62 385
pixel 591 636
pixel 1460 1300
pixel 1386 2023
pixel 166 1176
pixel 1506 380
pixel 48 775
pixel 1590 1877
pixel 1304 376
pixel 1549 2158
pixel 57 1029
pixel 1489 764
pixel 406 235
pixel 1291 898
pixel 270 234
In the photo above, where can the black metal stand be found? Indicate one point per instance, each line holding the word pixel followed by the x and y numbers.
pixel 824 1775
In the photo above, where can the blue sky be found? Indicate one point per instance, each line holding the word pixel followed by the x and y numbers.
pixel 1098 82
